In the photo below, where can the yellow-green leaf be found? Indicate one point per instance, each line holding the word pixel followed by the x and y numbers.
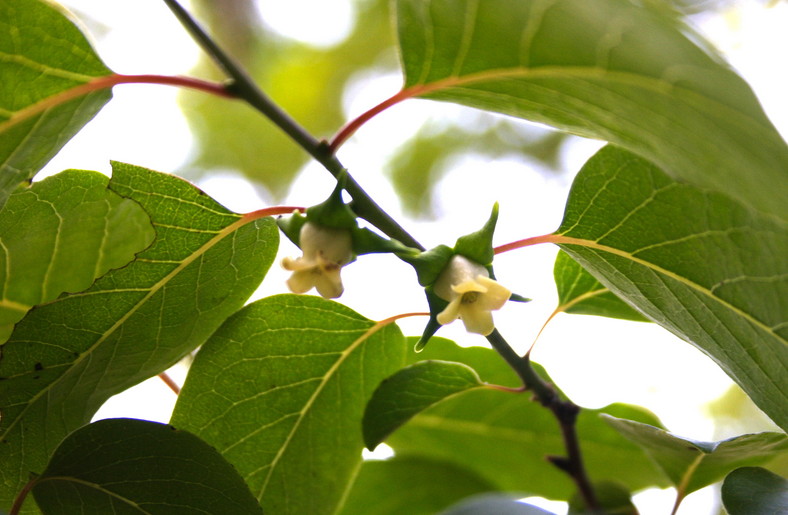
pixel 42 55
pixel 61 234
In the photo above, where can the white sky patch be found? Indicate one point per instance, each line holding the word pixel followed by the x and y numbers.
pixel 319 23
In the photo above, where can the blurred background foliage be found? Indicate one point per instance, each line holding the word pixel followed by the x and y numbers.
pixel 309 81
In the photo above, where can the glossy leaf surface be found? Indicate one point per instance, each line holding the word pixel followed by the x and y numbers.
pixel 691 465
pixel 59 235
pixel 504 437
pixel 134 466
pixel 752 490
pixel 66 358
pixel 412 485
pixel 610 69
pixel 715 275
pixel 579 292
pixel 411 390
pixel 280 390
pixel 42 55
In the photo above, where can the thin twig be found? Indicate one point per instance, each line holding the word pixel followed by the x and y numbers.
pixel 164 376
pixel 243 87
pixel 565 412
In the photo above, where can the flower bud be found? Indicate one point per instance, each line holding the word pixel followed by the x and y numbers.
pixel 325 251
pixel 471 295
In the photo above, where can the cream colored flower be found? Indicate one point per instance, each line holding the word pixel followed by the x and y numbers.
pixel 471 294
pixel 326 250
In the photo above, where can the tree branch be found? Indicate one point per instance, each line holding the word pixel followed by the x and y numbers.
pixel 243 87
pixel 565 412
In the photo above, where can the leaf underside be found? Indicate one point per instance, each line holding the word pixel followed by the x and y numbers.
pixel 42 54
pixel 134 466
pixel 715 275
pixel 579 292
pixel 690 464
pixel 280 390
pixel 59 235
pixel 64 359
pixel 609 69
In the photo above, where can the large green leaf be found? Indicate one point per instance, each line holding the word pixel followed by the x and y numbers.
pixel 504 437
pixel 691 465
pixel 753 490
pixel 608 69
pixel 411 390
pixel 42 54
pixel 59 235
pixel 694 261
pixel 579 292
pixel 280 390
pixel 67 357
pixel 413 485
pixel 134 466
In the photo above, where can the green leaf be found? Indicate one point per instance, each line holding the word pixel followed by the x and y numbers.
pixel 59 235
pixel 715 274
pixel 412 485
pixel 691 465
pixel 754 491
pixel 280 390
pixel 609 69
pixel 504 437
pixel 67 357
pixel 411 390
pixel 579 292
pixel 42 55
pixel 135 466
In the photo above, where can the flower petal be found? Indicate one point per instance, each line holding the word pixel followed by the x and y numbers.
pixel 477 320
pixel 301 263
pixel 451 312
pixel 496 295
pixel 301 281
pixel 329 284
pixel 468 286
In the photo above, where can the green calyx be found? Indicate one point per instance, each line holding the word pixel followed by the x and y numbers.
pixel 476 246
pixel 336 214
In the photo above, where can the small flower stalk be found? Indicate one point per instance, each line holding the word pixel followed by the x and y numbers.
pixel 471 293
pixel 325 251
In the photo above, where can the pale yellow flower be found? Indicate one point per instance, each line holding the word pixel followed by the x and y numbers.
pixel 326 250
pixel 471 295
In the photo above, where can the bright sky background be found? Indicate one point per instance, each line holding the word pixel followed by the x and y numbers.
pixel 595 361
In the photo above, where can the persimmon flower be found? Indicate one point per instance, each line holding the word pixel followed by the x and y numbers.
pixel 471 294
pixel 326 250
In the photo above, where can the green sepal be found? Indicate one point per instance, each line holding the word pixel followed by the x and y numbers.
pixel 518 298
pixel 429 264
pixel 333 212
pixel 291 226
pixel 437 305
pixel 366 241
pixel 477 246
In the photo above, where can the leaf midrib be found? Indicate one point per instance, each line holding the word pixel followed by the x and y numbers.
pixel 656 85
pixel 310 402
pixel 568 240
